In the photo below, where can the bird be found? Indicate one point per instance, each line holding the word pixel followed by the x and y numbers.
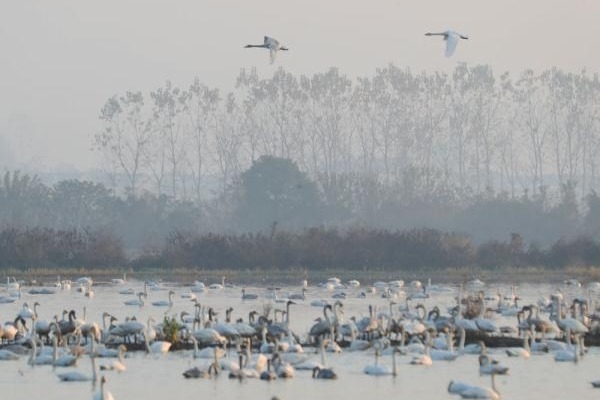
pixel 248 296
pixel 487 367
pixel 118 364
pixel 103 393
pixel 136 302
pixel 451 38
pixel 323 373
pixel 165 303
pixel 200 373
pixel 272 44
pixel 378 369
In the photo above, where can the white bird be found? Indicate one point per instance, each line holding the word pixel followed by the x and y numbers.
pixel 118 364
pixel 380 370
pixel 272 44
pixel 103 393
pixel 451 38
pixel 136 302
pixel 7 355
pixel 525 351
pixel 487 367
pixel 474 392
pixel 78 376
pixel 165 303
pixel 248 296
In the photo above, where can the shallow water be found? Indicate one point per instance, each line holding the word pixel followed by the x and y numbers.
pixel 159 376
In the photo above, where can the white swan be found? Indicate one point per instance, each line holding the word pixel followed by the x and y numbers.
pixel 451 38
pixel 118 364
pixel 7 355
pixel 571 354
pixel 248 296
pixel 157 346
pixel 381 370
pixel 77 376
pixel 272 44
pixel 136 302
pixel 487 367
pixel 523 352
pixel 474 392
pixel 199 373
pixel 165 303
pixel 103 393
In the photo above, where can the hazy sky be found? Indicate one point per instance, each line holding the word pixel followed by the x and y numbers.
pixel 61 59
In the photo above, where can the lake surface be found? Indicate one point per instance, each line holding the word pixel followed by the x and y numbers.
pixel 151 376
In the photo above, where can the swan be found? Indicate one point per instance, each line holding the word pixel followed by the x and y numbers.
pixel 136 302
pixel 76 376
pixel 272 44
pixel 573 325
pixel 165 303
pixel 103 393
pixel 241 372
pixel 207 352
pixel 487 367
pixel 34 359
pixel 248 296
pixel 7 355
pixel 283 370
pixel 452 38
pixel 268 375
pixel 571 354
pixel 474 392
pixel 525 351
pixel 157 346
pixel 198 373
pixel 119 281
pixel 26 312
pixel 445 355
pixel 323 373
pixel 311 364
pixel 472 348
pixel 218 286
pixel 380 370
pixel 118 364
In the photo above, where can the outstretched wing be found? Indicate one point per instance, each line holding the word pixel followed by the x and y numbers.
pixel 451 42
pixel 271 43
pixel 273 55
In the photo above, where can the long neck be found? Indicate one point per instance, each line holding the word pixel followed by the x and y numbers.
pixel 257 45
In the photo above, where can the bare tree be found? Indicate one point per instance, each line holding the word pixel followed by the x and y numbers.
pixel 201 106
pixel 528 96
pixel 165 114
pixel 125 136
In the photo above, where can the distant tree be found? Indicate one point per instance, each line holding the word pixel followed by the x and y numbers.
pixel 591 222
pixel 517 248
pixel 79 204
pixel 125 137
pixel 274 189
pixel 494 254
pixel 24 200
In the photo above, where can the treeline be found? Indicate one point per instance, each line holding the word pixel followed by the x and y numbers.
pixel 420 134
pixel 275 191
pixel 313 249
pixel 49 248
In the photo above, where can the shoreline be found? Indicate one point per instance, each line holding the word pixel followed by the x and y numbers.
pixel 296 276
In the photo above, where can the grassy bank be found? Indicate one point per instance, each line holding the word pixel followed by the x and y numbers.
pixel 297 275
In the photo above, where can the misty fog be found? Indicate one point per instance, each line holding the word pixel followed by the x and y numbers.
pixel 140 119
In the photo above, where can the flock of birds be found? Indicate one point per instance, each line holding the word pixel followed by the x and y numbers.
pixel 266 347
pixel 450 37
